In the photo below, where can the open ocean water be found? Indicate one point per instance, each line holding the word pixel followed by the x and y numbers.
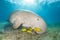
pixel 50 12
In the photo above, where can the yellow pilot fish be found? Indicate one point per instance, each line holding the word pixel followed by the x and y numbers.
pixel 30 30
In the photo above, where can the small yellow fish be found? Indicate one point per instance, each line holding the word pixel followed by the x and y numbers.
pixel 37 29
pixel 29 30
pixel 24 30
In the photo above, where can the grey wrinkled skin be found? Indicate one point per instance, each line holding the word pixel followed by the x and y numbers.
pixel 27 19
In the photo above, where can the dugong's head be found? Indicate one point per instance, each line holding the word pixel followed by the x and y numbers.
pixel 27 19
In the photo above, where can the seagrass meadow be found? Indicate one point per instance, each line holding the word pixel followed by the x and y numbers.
pixel 8 33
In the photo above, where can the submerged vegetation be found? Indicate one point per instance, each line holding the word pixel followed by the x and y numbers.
pixel 53 33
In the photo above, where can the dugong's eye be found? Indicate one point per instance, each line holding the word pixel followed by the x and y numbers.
pixel 38 19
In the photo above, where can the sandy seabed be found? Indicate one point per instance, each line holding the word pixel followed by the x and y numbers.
pixel 8 33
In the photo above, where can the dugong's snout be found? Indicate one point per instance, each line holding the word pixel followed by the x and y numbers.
pixel 17 25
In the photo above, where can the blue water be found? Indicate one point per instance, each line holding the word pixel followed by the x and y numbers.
pixel 49 12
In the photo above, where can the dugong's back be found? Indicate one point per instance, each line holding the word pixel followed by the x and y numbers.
pixel 20 15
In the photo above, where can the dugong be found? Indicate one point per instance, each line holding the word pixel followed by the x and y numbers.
pixel 27 19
